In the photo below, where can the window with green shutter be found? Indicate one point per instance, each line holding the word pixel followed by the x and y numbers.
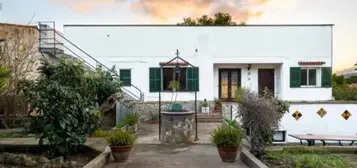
pixel 326 77
pixel 295 77
pixel 193 79
pixel 125 77
pixel 155 79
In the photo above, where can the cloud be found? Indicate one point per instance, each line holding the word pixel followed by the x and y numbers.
pixel 85 6
pixel 164 10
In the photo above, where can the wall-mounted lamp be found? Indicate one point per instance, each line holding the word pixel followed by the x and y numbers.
pixel 249 66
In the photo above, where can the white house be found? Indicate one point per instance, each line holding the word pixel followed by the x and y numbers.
pixel 292 60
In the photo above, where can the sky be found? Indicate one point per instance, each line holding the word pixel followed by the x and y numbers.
pixel 342 13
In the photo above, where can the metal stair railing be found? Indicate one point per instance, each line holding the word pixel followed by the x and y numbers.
pixel 54 41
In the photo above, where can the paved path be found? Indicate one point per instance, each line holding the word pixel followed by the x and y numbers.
pixel 164 156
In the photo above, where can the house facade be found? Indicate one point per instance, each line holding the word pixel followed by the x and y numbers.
pixel 293 61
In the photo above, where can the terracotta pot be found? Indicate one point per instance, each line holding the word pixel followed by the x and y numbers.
pixel 120 153
pixel 155 121
pixel 228 154
pixel 217 108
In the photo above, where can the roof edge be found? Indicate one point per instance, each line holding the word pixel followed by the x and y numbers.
pixel 18 25
pixel 175 25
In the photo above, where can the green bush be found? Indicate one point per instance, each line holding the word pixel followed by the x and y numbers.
pixel 4 74
pixel 227 137
pixel 344 92
pixel 100 133
pixel 120 138
pixel 107 84
pixel 132 119
pixel 310 159
pixel 232 123
pixel 65 96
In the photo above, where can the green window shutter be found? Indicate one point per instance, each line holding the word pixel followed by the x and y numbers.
pixel 125 77
pixel 155 79
pixel 295 77
pixel 193 79
pixel 326 77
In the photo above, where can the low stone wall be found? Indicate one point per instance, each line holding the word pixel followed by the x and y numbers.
pixel 145 109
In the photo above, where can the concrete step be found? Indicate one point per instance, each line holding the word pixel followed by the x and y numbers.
pixel 209 120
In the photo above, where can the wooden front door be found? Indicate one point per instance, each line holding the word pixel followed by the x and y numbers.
pixel 229 82
pixel 266 80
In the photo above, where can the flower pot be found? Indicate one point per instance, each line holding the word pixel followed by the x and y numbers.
pixel 217 108
pixel 120 153
pixel 155 121
pixel 133 128
pixel 205 109
pixel 228 154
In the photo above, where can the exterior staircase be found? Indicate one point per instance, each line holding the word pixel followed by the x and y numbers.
pixel 52 43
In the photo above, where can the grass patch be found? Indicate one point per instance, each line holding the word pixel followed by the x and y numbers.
pixel 309 159
pixel 13 135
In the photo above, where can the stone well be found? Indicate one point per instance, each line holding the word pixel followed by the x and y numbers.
pixel 178 127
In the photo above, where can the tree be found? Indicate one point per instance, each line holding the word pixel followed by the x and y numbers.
pixel 64 95
pixel 107 84
pixel 19 53
pixel 220 19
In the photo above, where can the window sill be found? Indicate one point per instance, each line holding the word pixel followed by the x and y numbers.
pixel 183 91
pixel 311 87
pixel 175 92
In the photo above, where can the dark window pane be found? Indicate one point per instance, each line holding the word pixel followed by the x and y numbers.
pixel 170 74
pixel 182 75
pixel 125 77
pixel 304 77
pixel 167 76
pixel 312 77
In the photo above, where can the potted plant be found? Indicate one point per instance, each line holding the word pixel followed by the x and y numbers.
pixel 228 141
pixel 217 105
pixel 205 107
pixel 132 122
pixel 154 118
pixel 174 85
pixel 120 142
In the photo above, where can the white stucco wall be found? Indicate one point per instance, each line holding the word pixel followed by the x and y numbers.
pixel 141 47
pixel 311 123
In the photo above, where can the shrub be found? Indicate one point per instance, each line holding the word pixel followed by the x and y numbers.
pixel 120 138
pixel 100 133
pixel 227 136
pixel 260 115
pixel 132 119
pixel 121 123
pixel 4 74
pixel 232 123
pixel 107 84
pixel 64 95
pixel 344 92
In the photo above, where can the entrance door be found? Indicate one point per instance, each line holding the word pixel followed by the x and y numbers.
pixel 266 80
pixel 229 82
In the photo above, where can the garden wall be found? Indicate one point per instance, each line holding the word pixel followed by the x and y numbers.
pixel 324 118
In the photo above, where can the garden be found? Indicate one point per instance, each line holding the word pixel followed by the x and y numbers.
pixel 64 111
